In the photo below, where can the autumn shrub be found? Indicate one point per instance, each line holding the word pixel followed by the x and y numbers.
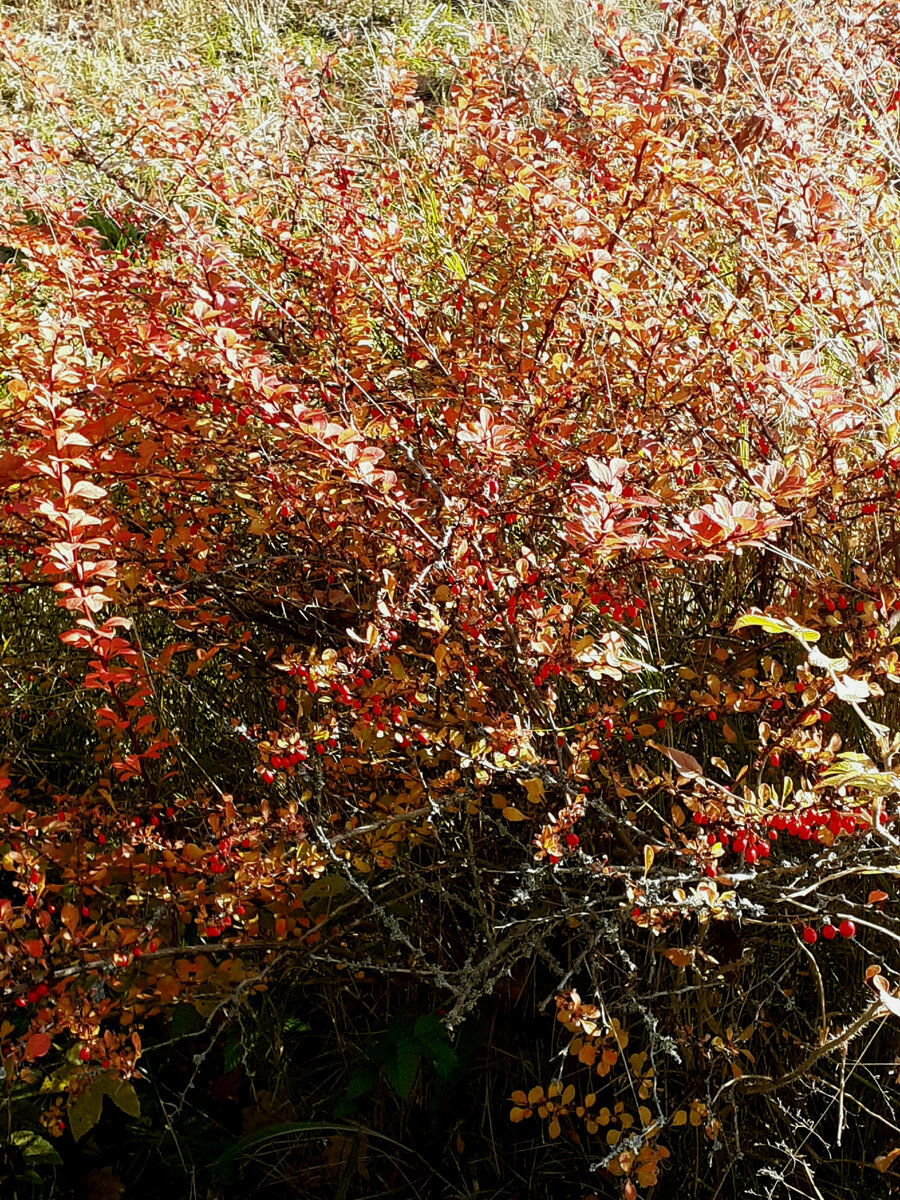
pixel 450 583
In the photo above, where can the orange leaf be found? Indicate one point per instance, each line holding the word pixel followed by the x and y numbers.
pixel 883 1161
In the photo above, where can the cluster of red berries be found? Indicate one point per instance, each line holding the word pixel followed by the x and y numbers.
pixel 846 929
pixel 808 825
pixel 617 610
pixel 742 841
pixel 544 672
pixel 36 994
pixel 214 931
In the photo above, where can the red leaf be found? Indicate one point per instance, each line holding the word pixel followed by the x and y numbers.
pixel 37 1045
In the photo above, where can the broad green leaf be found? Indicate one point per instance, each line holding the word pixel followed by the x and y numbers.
pixel 34 1147
pixel 401 1071
pixel 85 1110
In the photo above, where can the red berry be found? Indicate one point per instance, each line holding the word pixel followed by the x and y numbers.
pixel 810 936
pixel 84 1054
pixel 282 704
pixel 775 760
pixel 829 933
pixel 711 714
pixel 85 912
pixel 572 840
pixel 847 929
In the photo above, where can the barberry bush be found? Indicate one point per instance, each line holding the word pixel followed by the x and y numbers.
pixel 450 579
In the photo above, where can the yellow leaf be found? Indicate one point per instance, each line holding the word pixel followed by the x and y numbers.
pixel 516 1115
pixel 440 654
pixel 649 855
pixel 519 1097
pixel 553 1128
pixel 513 814
pixel 680 1117
pixel 534 789
pixel 397 669
pixel 612 1137
pixel 535 1095
pixel 568 1094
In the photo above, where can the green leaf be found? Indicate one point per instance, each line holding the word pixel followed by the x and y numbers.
pixel 362 1081
pixel 856 770
pixel 444 1059
pixel 297 1025
pixel 123 1095
pixel 402 1070
pixel 185 1021
pixel 429 1031
pixel 85 1110
pixel 32 1146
